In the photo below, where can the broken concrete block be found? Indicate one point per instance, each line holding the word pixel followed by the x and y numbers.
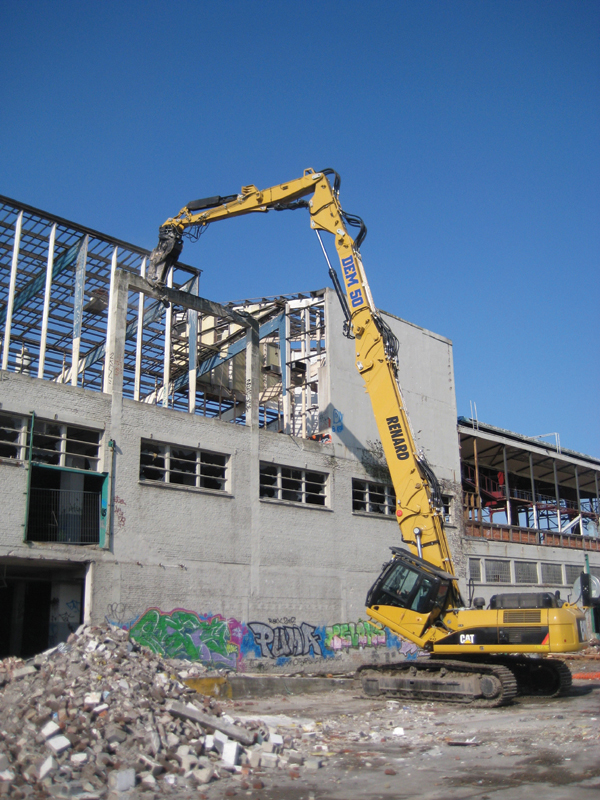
pixel 48 766
pixel 149 781
pixel 153 767
pixel 398 732
pixel 7 776
pixel 254 758
pixel 79 759
pixel 209 742
pixel 114 734
pixel 220 740
pixel 203 776
pixel 50 729
pixel 277 741
pixel 92 699
pixel 313 763
pixel 172 740
pixel 294 757
pixel 58 744
pixel 269 760
pixel 4 762
pixel 188 762
pixel 231 753
pixel 122 780
pixel 22 672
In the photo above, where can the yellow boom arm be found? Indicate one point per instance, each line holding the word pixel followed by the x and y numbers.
pixel 417 494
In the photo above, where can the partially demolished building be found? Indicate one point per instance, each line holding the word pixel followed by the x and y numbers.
pixel 210 476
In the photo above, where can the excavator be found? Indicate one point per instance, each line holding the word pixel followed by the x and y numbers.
pixel 476 655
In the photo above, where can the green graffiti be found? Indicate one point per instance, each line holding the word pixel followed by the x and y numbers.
pixel 350 634
pixel 184 634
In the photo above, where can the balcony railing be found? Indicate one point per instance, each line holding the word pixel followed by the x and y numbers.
pixel 506 533
pixel 58 515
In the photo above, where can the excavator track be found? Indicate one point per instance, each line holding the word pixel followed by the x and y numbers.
pixel 541 677
pixel 480 684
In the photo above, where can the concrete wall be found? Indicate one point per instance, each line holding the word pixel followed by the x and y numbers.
pixel 279 577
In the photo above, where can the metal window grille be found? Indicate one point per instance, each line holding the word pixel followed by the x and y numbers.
pixel 552 573
pixel 373 498
pixel 526 572
pixel 65 445
pixel 13 436
pixel 294 485
pixel 572 572
pixel 70 517
pixel 475 570
pixel 167 463
pixel 497 571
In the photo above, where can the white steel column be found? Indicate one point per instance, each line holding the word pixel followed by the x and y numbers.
pixel 11 290
pixel 556 492
pixel 47 291
pixel 507 488
pixel 193 348
pixel 167 354
pixel 78 310
pixel 139 338
pixel 535 512
pixel 110 323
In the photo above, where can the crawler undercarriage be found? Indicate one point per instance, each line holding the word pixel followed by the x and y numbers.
pixel 485 682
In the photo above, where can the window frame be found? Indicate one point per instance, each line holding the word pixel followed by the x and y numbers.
pixel 389 503
pixel 517 564
pixel 490 561
pixel 279 488
pixel 170 452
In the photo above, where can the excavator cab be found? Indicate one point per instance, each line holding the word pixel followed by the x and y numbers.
pixel 412 583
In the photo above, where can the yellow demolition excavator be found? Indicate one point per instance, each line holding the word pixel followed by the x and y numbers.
pixel 476 655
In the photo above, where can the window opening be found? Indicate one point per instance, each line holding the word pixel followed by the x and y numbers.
pixel 373 498
pixel 497 571
pixel 552 573
pixel 294 485
pixel 165 463
pixel 526 572
pixel 66 506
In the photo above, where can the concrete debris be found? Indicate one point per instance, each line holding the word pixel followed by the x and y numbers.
pixel 117 721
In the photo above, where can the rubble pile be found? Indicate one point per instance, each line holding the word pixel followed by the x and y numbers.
pixel 101 717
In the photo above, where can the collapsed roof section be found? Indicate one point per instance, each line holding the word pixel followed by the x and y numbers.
pixel 56 294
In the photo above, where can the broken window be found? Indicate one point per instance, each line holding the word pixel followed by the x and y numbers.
pixel 373 498
pixel 65 445
pixel 294 485
pixel 497 571
pixel 447 508
pixel 13 436
pixel 186 466
pixel 552 573
pixel 526 572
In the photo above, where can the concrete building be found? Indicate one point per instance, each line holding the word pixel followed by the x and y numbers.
pixel 211 476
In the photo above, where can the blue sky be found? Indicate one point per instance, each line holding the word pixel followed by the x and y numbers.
pixel 466 135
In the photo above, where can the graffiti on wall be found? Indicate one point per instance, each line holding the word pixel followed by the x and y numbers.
pixel 349 634
pixel 185 634
pixel 220 642
pixel 284 641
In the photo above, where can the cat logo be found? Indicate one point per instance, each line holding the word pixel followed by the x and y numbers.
pixel 467 638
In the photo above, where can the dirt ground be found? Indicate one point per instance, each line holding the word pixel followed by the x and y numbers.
pixel 379 750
